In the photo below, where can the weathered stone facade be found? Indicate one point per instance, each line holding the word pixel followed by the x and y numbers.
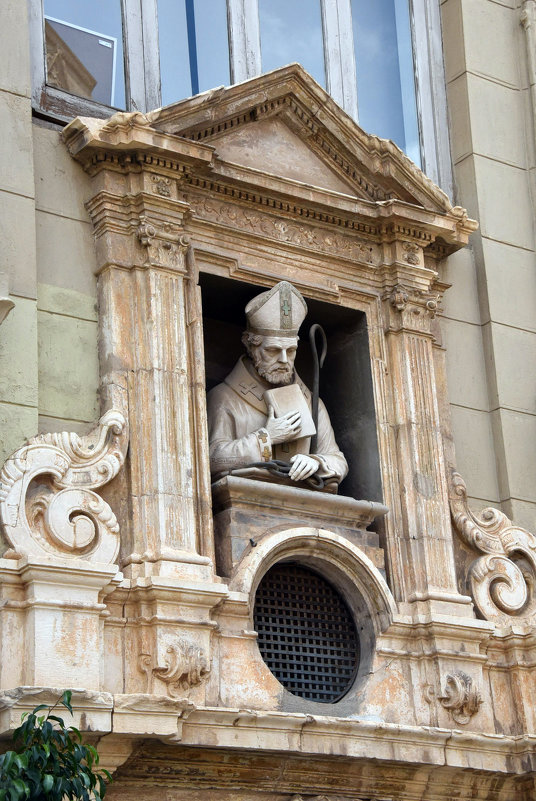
pixel 118 580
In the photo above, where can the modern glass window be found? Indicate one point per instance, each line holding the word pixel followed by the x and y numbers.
pixel 93 56
pixel 384 72
pixel 292 31
pixel 84 49
pixel 194 47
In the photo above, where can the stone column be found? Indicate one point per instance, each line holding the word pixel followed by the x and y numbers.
pixel 423 546
pixel 151 357
pixel 150 321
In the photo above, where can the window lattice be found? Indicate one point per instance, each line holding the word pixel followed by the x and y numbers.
pixel 306 633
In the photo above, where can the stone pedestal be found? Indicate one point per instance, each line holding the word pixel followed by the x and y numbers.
pixel 246 509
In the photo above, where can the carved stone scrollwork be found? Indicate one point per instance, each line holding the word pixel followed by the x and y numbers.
pixel 502 579
pixel 460 697
pixel 185 666
pixel 47 504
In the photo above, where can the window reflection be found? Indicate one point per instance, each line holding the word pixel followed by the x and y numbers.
pixel 291 30
pixel 385 73
pixel 194 47
pixel 84 49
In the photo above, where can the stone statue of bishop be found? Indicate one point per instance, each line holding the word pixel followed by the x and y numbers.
pixel 244 427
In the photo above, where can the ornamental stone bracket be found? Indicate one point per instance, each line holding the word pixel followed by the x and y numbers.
pixel 48 507
pixel 185 665
pixel 64 539
pixel 502 578
pixel 460 697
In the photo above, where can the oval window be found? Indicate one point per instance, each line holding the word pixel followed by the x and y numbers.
pixel 306 633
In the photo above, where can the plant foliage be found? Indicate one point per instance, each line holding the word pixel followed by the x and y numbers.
pixel 50 762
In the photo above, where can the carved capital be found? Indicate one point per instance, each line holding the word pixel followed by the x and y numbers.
pixel 409 309
pixel 459 697
pixel 185 666
pixel 47 504
pixel 502 579
pixel 165 243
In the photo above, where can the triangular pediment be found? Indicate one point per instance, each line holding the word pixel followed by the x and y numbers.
pixel 285 124
pixel 271 146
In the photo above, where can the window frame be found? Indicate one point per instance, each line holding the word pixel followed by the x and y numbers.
pixel 142 68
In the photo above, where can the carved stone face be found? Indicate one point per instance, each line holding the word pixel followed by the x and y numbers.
pixel 274 358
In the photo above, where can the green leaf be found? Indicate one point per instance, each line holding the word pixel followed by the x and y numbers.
pixel 6 760
pixel 23 791
pixel 66 700
pixel 39 708
pixel 48 782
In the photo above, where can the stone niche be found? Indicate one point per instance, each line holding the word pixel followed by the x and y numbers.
pixel 245 509
pixel 196 208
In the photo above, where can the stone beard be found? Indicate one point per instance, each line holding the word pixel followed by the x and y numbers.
pixel 242 428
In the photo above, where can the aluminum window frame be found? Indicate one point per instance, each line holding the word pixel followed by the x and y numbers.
pixel 142 68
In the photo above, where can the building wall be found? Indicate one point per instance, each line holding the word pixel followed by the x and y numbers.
pixel 48 344
pixel 48 357
pixel 489 321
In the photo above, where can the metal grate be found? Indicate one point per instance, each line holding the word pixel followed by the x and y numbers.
pixel 306 633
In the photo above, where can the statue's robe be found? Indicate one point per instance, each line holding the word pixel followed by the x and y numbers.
pixel 237 414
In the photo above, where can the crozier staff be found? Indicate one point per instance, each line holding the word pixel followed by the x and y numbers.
pixel 243 427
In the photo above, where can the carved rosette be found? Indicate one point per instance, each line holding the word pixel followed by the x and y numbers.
pixel 503 578
pixel 185 666
pixel 47 503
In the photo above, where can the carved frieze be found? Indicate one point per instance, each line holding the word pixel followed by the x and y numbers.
pixel 503 578
pixel 185 666
pixel 287 231
pixel 47 503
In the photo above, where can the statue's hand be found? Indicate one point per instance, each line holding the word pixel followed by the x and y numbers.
pixel 303 466
pixel 284 428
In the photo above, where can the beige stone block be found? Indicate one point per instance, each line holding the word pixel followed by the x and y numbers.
pixel 492 40
pixel 68 367
pixel 505 203
pixel 514 363
pixel 57 300
pixel 475 455
pixel 15 48
pixel 18 354
pixel 453 42
pixel 466 372
pixel 17 423
pixel 465 186
pixel 522 513
pixel 16 148
pixel 516 432
pixel 66 253
pixel 499 135
pixel 510 276
pixel 17 234
pixel 460 302
pixel 458 102
pixel 47 425
pixel 61 186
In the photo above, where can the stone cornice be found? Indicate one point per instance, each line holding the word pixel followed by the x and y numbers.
pixel 381 169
